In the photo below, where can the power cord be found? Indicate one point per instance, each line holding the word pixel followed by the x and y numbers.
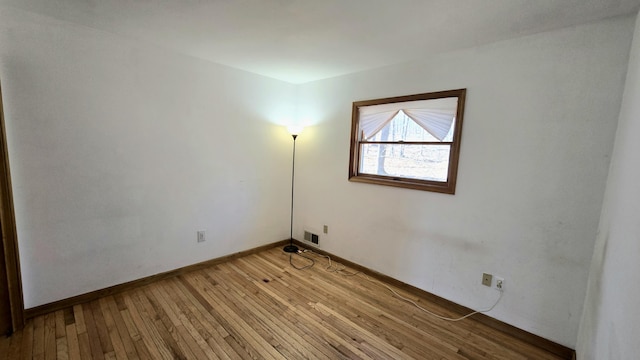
pixel 429 312
pixel 341 270
pixel 299 253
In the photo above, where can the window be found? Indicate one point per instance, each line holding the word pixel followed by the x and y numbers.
pixel 408 141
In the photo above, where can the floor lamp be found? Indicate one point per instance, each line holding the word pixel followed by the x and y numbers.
pixel 295 131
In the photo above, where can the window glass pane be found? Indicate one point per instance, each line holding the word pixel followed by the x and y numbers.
pixel 424 162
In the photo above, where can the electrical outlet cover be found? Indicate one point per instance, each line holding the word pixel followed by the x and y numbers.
pixel 486 279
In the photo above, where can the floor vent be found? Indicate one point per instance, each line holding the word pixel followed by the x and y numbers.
pixel 311 237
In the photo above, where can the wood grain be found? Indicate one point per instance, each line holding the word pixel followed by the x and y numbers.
pixel 259 307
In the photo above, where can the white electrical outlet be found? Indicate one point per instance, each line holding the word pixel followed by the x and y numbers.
pixel 498 283
pixel 201 236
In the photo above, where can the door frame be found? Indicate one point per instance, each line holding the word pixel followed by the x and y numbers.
pixel 9 233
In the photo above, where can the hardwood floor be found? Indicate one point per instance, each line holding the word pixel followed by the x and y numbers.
pixel 259 307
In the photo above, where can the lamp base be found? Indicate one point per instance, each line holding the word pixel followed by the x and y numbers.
pixel 290 248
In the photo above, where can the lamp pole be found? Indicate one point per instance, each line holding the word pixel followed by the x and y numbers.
pixel 292 248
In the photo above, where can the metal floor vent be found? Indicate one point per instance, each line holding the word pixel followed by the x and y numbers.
pixel 313 238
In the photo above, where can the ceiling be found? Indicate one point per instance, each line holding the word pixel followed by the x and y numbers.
pixel 305 40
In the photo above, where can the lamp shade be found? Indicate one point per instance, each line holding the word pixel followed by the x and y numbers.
pixel 295 129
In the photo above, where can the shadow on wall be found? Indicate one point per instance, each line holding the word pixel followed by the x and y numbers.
pixel 594 296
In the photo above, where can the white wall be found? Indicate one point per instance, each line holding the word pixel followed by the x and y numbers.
pixel 538 131
pixel 120 151
pixel 610 326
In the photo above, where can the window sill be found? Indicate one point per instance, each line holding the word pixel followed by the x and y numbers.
pixel 425 185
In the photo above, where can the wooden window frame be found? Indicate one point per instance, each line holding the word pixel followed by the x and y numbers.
pixel 448 187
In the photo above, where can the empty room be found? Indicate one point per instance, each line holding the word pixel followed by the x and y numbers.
pixel 292 179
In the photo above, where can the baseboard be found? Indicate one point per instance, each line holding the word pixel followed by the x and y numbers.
pixel 540 342
pixel 94 295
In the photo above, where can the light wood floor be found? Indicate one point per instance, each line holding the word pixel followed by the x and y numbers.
pixel 259 307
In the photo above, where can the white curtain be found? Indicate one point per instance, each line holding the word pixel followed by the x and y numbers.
pixel 435 116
